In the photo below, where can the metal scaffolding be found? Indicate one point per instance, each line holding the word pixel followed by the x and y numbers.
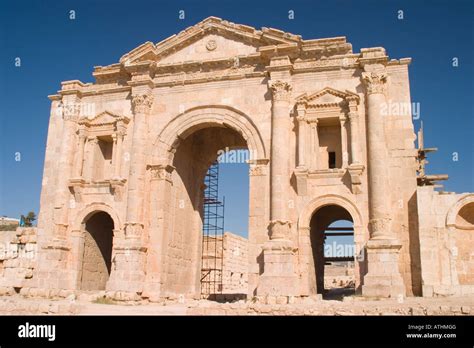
pixel 213 235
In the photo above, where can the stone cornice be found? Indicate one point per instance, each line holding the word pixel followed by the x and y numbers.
pixel 142 65
pixel 103 118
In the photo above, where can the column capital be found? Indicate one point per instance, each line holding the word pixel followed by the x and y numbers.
pixel 281 90
pixel 82 133
pixel 279 229
pixel 142 103
pixel 301 118
pixel 258 169
pixel 160 171
pixel 353 116
pixel 92 139
pixel 375 82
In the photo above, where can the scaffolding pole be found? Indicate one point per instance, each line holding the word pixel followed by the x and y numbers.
pixel 213 235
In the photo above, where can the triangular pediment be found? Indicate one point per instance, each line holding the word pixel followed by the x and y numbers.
pixel 103 118
pixel 327 97
pixel 213 38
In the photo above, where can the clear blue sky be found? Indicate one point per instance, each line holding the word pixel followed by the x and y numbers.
pixel 54 48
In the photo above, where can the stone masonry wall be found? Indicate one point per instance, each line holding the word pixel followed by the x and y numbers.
pixel 235 265
pixel 18 253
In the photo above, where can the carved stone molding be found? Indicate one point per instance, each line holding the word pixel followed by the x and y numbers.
pixel 117 188
pixel 355 172
pixel 142 103
pixel 281 90
pixel 375 82
pixel 76 186
pixel 301 176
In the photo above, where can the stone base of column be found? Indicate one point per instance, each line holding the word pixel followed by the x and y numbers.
pixel 383 278
pixel 128 268
pixel 279 277
pixel 152 288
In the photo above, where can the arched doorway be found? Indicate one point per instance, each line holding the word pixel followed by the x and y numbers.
pixel 189 144
pixel 332 246
pixel 191 161
pixel 97 253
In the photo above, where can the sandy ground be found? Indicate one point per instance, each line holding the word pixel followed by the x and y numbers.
pixel 353 305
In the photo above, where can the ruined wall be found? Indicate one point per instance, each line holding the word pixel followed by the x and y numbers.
pixel 231 253
pixel 18 258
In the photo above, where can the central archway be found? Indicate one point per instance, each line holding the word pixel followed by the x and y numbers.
pixel 189 144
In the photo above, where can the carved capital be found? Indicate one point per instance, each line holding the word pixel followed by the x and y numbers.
pixel 375 82
pixel 93 140
pixel 301 118
pixel 258 170
pixel 279 229
pixel 82 133
pixel 281 90
pixel 161 172
pixel 353 116
pixel 142 103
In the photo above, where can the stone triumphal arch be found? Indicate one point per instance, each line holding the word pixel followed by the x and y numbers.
pixel 122 191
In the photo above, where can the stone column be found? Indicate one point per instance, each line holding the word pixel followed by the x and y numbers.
pixel 92 142
pixel 141 108
pixel 354 125
pixel 383 278
pixel 314 145
pixel 279 277
pixel 301 138
pixel 80 154
pixel 379 215
pixel 344 149
pixel 280 161
pixel 117 155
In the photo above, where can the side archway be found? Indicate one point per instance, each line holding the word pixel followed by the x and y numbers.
pixel 336 206
pixel 304 219
pixel 92 237
pixel 89 210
